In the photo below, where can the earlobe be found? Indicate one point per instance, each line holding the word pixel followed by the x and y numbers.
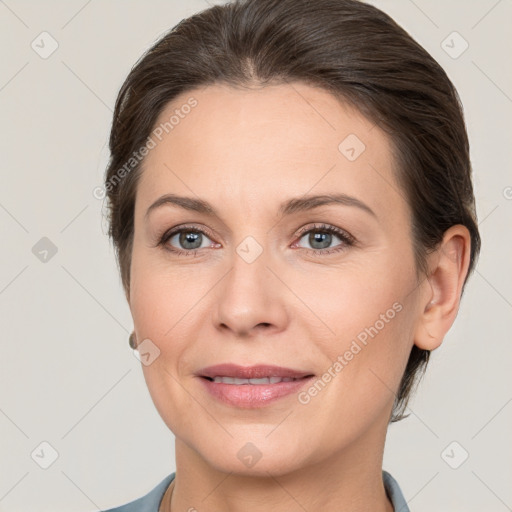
pixel 441 300
pixel 428 333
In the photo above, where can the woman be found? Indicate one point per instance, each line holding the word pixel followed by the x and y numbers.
pixel 291 205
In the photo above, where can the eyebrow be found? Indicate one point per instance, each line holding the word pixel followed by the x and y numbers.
pixel 289 207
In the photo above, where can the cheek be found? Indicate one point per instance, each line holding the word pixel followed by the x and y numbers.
pixel 364 366
pixel 369 321
pixel 155 295
pixel 352 298
pixel 167 395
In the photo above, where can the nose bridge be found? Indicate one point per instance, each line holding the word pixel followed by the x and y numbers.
pixel 251 249
pixel 250 260
pixel 250 294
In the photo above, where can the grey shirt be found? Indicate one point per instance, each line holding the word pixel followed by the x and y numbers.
pixel 151 501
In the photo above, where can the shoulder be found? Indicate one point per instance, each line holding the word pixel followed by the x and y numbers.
pixel 149 502
pixel 394 493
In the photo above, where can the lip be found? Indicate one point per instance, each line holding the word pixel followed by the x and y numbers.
pixel 252 396
pixel 251 372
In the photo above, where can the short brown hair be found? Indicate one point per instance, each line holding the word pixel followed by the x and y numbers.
pixel 347 47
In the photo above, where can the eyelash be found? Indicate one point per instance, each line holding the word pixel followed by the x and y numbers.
pixel 347 239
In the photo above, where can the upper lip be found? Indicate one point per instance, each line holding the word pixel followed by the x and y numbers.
pixel 251 372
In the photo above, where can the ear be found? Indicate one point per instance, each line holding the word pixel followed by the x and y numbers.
pixel 440 302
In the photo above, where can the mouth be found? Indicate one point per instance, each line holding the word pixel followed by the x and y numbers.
pixel 254 386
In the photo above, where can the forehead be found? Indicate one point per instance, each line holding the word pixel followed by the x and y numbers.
pixel 246 145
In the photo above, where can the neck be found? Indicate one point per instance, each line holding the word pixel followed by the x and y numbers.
pixel 348 481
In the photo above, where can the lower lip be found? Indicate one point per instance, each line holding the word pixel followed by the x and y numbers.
pixel 251 396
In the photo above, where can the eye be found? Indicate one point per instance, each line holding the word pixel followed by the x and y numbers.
pixel 320 237
pixel 188 239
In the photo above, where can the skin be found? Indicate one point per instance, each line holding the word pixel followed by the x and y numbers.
pixel 245 151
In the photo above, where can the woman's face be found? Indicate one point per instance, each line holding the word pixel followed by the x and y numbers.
pixel 261 282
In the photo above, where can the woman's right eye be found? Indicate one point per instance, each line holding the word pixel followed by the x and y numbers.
pixel 188 240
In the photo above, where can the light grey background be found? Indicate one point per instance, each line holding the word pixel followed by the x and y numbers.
pixel 68 376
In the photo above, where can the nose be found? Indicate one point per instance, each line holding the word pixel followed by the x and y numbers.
pixel 250 299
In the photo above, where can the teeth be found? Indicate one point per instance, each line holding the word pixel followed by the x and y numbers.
pixel 264 380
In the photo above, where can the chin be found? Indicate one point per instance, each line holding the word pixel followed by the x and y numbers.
pixel 267 465
pixel 254 455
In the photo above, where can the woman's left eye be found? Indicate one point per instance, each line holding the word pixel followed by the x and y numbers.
pixel 320 237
